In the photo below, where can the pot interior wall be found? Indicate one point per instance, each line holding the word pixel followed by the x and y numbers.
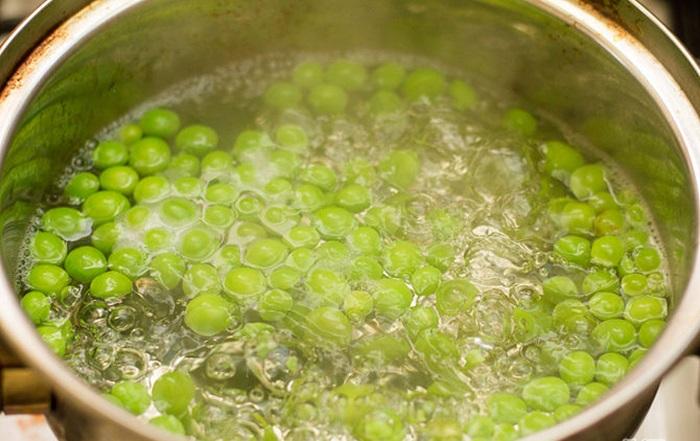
pixel 499 45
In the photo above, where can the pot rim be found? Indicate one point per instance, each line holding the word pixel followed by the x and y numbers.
pixel 46 52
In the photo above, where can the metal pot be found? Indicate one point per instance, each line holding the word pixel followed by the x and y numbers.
pixel 607 68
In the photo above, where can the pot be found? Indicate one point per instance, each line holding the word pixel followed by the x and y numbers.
pixel 607 68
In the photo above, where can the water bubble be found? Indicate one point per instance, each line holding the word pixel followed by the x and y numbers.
pixel 221 366
pixel 122 318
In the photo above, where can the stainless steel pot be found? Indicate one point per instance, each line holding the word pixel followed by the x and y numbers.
pixel 607 68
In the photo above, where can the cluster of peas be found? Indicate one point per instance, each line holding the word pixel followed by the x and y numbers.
pixel 266 228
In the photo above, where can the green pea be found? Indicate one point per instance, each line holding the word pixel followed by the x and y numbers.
pixel 249 231
pixel 610 368
pixel 149 156
pixel 222 193
pixel 105 206
pixel 391 298
pixel 559 288
pixel 274 305
pixel 647 259
pixel 360 171
pixel 588 180
pixel 455 296
pixel 441 256
pixel 122 179
pixel 197 139
pixel 599 281
pixel 365 240
pixel 506 408
pixel 402 259
pixel 208 314
pixel 385 102
pixel 157 239
pixel 462 94
pixel 110 154
pixel 636 356
pixel 151 189
pixel 282 95
pixel 607 251
pixel 178 211
pixel 423 82
pixel 284 277
pixel 188 186
pixel 346 74
pixel 354 198
pixel 266 253
pixel 219 216
pixel 201 278
pixel 67 223
pixel 606 305
pixel 251 145
pixel 576 218
pixel 302 236
pixel 183 165
pixel 560 159
pixel 81 186
pixel 444 429
pixel 566 411
pixel 160 122
pixel 169 423
pixel 198 243
pixel 334 222
pixel 380 425
pixel 574 249
pixel 567 309
pixel 437 348
pixel 328 287
pixel 650 331
pixel 640 309
pixel 308 74
pixel 520 121
pixel 249 206
pixel 535 422
pixel 130 133
pixel 358 305
pixel 111 398
pixel 48 279
pixel 615 335
pixel 216 163
pixel 110 284
pixel 227 257
pixel 128 261
pixel 173 392
pixel 105 236
pixel 577 367
pixel 47 248
pixel 386 219
pixel 400 168
pixel 292 137
pixel 634 284
pixel 602 201
pixel 609 222
pixel 425 280
pixel 590 393
pixel 634 239
pixel 333 253
pixel 480 427
pixel 319 175
pixel 135 218
pixel 546 393
pixel 168 269
pixel 366 268
pixel 132 396
pixel 85 263
pixel 54 338
pixel 388 76
pixel 327 99
pixel 244 282
pixel 329 325
pixel 37 306
pixel 279 190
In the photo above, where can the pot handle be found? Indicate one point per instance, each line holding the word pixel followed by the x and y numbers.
pixel 22 389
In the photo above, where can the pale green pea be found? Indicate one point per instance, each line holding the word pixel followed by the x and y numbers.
pixel 130 133
pixel 425 280
pixel 329 325
pixel 423 83
pixel 388 76
pixel 420 318
pixel 636 356
pixel 346 74
pixel 219 216
pixel 265 253
pixel 462 94
pixel 588 180
pixel 157 239
pixel 535 422
pixel 354 198
pixel 208 314
pixel 560 159
pixel 302 259
pixel 282 95
pixel 173 392
pixel 292 137
pixel 249 231
pixel 602 201
pixel 334 222
pixel 251 145
pixel 249 205
pixel 600 281
pixel 199 243
pixel 577 367
pixel 227 258
pixel 308 74
pixel 387 219
pixel 506 408
pixel 121 178
pixel 546 393
pixel 609 222
pixel 169 423
pixel 391 298
pixel 302 236
pixel 319 175
pixel 385 102
pixel 216 163
pixel 615 335
pixel 480 427
pixel 201 278
pixel 640 309
pixel 132 396
pixel 188 186
pixel 135 218
pixel 590 393
pixel 647 259
pixel 47 248
pixel 360 171
pixel 244 282
pixel 358 305
pixel 455 296
pixel 284 277
pixel 441 256
pixel 85 263
pixel 634 284
pixel 274 305
pixel 606 305
pixel 67 223
pixel 366 268
pixel 576 218
pixel 650 331
pixel 610 368
pixel 183 165
pixel 400 168
pixel 566 411
pixel 151 189
pixel 177 211
pixel 54 338
pixel 327 99
pixel 223 193
pixel 327 286
pixel 520 121
pixel 365 240
pixel 48 279
pixel 279 190
pixel 167 269
pixel 333 253
pixel 559 288
pixel 286 163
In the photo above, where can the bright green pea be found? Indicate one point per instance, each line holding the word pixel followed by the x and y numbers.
pixel 105 236
pixel 334 222
pixel 358 305
pixel 222 193
pixel 208 314
pixel 151 189
pixel 216 163
pixel 634 284
pixel 279 190
pixel 590 393
pixel 441 256
pixel 160 122
pixel 535 422
pixel 47 248
pixel 178 211
pixel 67 223
pixel 328 287
pixel 425 280
pixel 365 240
pixel 49 279
pixel 577 367
pixel 559 288
pixel 188 187
pixel 244 282
pixel 105 206
pixel 169 423
pixel 265 253
pixel 600 281
pixel 560 159
pixel 37 306
pixel 506 408
pixel 647 259
pixel 462 94
pixel 546 393
pixel 302 236
pixel 650 331
pixel 183 165
pixel 455 296
pixel 402 259
pixel 121 178
pixel 354 198
pixel 85 263
pixel 128 261
pixel 607 251
pixel 292 137
pixel 610 368
pixel 308 74
pixel 132 396
pixel 520 121
pixel 284 277
pixel 588 180
pixel 54 338
pixel 380 425
pixel 249 205
pixel 346 74
pixel 385 102
pixel 329 325
pixel 609 222
pixel 173 392
pixel 423 82
pixel 391 298
pixel 109 154
pixel 400 168
pixel 149 156
pixel 110 284
pixel 606 305
pixel 219 216
pixel 157 239
pixel 576 218
pixel 635 238
pixel 640 309
pixel 280 219
pixel 168 269
pixel 366 268
pixel 566 309
pixel 327 99
pixel 199 243
pixel 566 411
pixel 615 335
pixel 388 76
pixel 130 133
pixel 81 186
pixel 197 140
pixel 574 249
pixel 282 95
pixel 274 305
